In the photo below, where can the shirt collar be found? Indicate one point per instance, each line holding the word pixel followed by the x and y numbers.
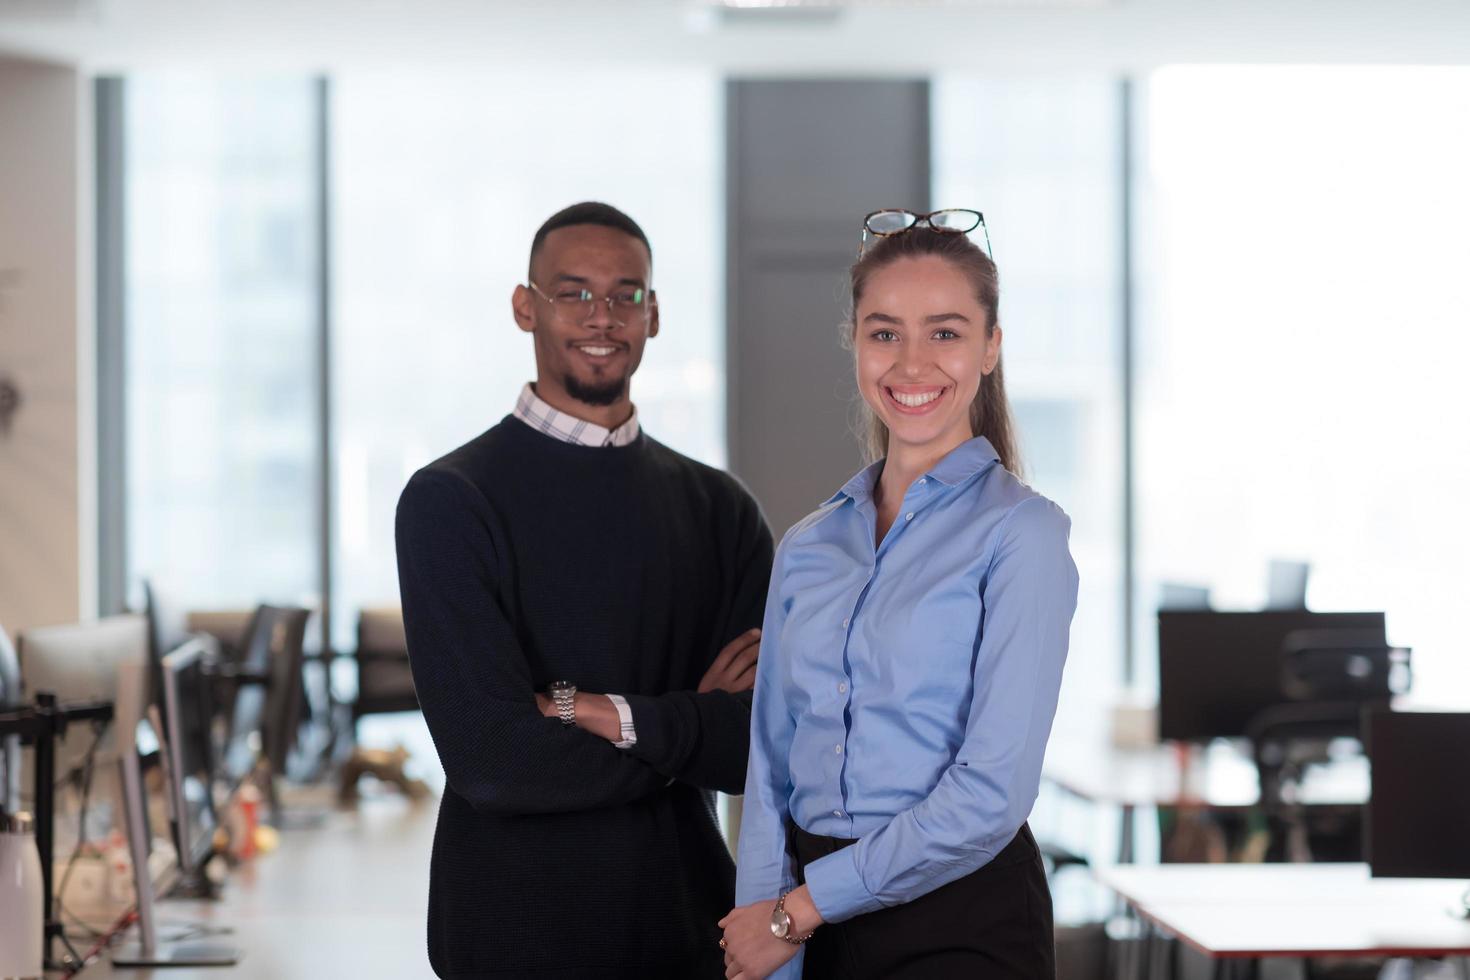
pixel 957 466
pixel 540 416
pixel 964 461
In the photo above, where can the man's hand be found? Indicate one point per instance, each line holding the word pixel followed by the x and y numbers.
pixel 734 669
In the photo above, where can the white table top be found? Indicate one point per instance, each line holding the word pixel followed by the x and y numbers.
pixel 1219 777
pixel 1298 910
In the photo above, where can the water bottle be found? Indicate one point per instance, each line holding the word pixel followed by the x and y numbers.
pixel 22 920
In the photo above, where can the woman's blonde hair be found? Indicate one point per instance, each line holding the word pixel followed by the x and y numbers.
pixel 990 412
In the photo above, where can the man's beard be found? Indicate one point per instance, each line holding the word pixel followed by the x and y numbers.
pixel 600 393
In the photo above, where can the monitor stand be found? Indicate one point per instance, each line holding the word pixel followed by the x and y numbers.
pixel 147 950
pixel 175 954
pixel 194 884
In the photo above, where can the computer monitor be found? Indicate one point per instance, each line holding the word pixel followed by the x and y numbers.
pixel 1286 584
pixel 1418 822
pixel 167 631
pixel 79 662
pixel 149 880
pixel 1218 670
pixel 1179 595
pixel 188 713
pixel 10 697
pixel 167 622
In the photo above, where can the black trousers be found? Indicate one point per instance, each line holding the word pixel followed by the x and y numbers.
pixel 993 923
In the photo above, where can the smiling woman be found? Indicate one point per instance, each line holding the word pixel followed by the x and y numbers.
pixel 891 776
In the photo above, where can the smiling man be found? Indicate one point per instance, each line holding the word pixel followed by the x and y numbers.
pixel 581 604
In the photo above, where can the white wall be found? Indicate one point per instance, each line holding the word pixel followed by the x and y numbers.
pixel 44 484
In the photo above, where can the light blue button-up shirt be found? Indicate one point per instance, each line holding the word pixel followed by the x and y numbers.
pixel 905 693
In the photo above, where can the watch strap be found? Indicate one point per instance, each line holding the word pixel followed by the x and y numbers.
pixel 565 697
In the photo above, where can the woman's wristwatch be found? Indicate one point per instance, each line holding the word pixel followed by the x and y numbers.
pixel 781 924
pixel 564 696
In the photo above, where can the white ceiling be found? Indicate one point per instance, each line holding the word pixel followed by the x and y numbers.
pixel 866 38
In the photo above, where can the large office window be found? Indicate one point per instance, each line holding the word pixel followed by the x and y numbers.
pixel 1041 159
pixel 1303 340
pixel 220 288
pixel 439 183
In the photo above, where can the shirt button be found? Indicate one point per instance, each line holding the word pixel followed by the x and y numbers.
pixel 844 623
pixel 842 688
pixel 836 813
pixel 923 481
pixel 838 749
pixel 909 516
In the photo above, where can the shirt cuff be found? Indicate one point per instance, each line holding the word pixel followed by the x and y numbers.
pixel 625 722
pixel 792 968
pixel 837 887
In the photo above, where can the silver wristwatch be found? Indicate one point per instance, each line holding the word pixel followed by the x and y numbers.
pixel 564 695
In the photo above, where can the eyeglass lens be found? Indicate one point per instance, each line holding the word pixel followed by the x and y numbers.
pixel 954 219
pixel 891 222
pixel 577 304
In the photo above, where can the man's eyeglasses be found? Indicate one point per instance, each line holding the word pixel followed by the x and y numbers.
pixel 575 304
pixel 895 221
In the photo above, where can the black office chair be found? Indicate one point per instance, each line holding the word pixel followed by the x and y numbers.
pixel 1346 665
pixel 1330 677
pixel 384 680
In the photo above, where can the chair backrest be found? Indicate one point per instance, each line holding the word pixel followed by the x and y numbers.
pixel 231 627
pixel 1339 665
pixel 380 630
pixel 384 676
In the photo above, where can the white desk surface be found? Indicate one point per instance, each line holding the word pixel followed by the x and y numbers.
pixel 1295 910
pixel 1219 777
pixel 346 899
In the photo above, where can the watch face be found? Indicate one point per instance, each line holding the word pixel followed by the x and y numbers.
pixel 780 924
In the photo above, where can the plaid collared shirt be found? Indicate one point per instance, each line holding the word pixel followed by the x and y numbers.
pixel 559 425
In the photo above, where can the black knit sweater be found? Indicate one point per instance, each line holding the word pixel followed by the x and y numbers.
pixel 523 560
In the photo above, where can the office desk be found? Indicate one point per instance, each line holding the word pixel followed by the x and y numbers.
pixel 1217 777
pixel 346 899
pixel 1253 911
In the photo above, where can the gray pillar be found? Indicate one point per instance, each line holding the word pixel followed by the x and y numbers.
pixel 805 161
